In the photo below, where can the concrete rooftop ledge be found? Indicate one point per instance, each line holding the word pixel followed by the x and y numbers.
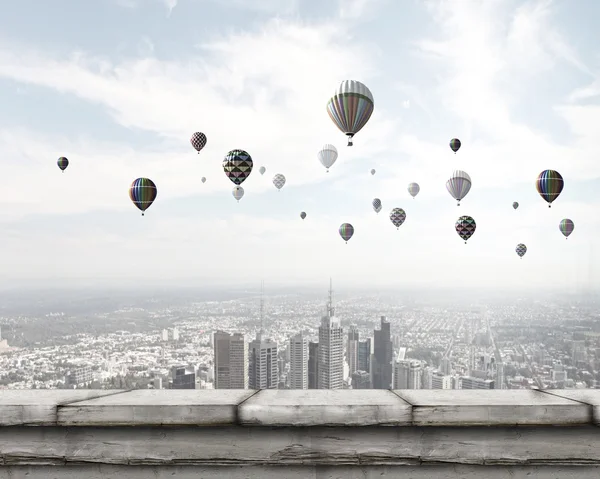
pixel 298 408
pixel 314 433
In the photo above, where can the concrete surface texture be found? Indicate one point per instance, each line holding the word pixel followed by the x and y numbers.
pixel 313 433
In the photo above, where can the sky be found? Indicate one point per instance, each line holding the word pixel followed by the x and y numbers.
pixel 119 86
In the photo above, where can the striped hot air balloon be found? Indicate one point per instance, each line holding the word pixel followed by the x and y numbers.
pixel 142 193
pixel 350 107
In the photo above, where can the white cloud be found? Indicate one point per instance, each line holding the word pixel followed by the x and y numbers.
pixel 170 4
pixel 265 91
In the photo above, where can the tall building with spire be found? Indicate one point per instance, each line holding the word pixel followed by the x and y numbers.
pixel 331 349
pixel 262 356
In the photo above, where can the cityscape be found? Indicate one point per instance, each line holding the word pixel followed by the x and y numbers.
pixel 301 340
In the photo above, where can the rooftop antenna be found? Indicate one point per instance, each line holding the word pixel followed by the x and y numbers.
pixel 262 305
pixel 330 308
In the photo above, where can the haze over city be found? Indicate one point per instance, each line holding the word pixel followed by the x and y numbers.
pixel 518 86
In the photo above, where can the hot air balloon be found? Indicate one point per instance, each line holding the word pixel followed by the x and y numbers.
pixel 455 144
pixel 203 179
pixel 566 227
pixel 350 107
pixel 62 163
pixel 303 215
pixel 262 170
pixel 279 181
pixel 143 193
pixel 465 227
pixel 459 185
pixel 346 231
pixel 549 185
pixel 397 217
pixel 413 189
pixel 327 156
pixel 373 171
pixel 198 141
pixel 238 193
pixel 238 166
pixel 515 205
pixel 377 205
pixel 521 249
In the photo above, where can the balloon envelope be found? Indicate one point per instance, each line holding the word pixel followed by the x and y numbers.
pixel 455 144
pixel 203 180
pixel 279 181
pixel 238 192
pixel 350 107
pixel 521 249
pixel 459 185
pixel 62 163
pixel 413 189
pixel 465 227
pixel 303 215
pixel 198 141
pixel 566 227
pixel 397 217
pixel 237 166
pixel 549 185
pixel 262 170
pixel 373 171
pixel 327 156
pixel 346 231
pixel 377 205
pixel 515 205
pixel 143 193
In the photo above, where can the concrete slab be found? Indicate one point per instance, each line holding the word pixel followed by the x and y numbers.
pixel 321 407
pixel 38 407
pixel 208 407
pixel 440 407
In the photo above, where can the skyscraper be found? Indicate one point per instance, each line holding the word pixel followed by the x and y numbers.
pixel 313 365
pixel 262 364
pixel 382 358
pixel 298 362
pixel 364 355
pixel 182 379
pixel 407 374
pixel 352 349
pixel 231 361
pixel 331 349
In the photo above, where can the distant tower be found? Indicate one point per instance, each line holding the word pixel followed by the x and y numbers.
pixel 331 349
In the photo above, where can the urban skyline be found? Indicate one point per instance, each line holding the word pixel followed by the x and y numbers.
pixel 278 342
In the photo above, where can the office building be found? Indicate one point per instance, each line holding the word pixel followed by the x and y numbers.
pixel 182 379
pixel 467 382
pixel 382 368
pixel 313 365
pixel 298 376
pixel 364 355
pixel 262 364
pixel 407 374
pixel 361 380
pixel 352 349
pixel 231 361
